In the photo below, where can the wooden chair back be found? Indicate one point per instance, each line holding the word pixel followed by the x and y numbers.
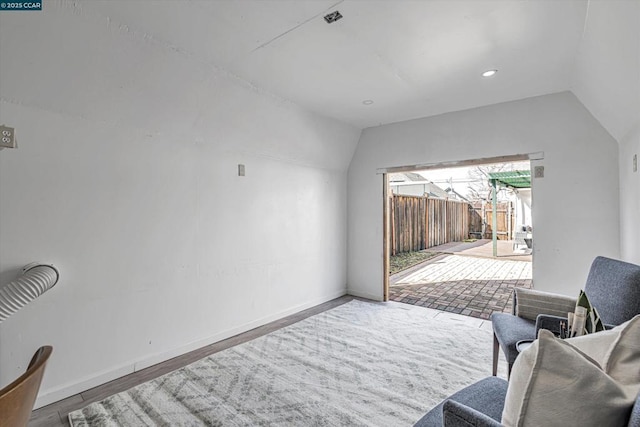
pixel 17 399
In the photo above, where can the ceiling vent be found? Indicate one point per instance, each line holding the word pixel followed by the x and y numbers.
pixel 332 17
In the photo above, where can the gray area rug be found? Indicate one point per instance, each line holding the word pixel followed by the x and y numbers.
pixel 359 364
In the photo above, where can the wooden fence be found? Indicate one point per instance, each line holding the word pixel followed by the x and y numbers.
pixel 419 223
pixel 422 222
pixel 483 210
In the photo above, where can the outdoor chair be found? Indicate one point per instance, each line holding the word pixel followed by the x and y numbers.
pixel 613 287
pixel 518 240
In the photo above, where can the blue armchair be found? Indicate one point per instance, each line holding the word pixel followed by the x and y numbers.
pixel 483 402
pixel 612 286
pixel 481 405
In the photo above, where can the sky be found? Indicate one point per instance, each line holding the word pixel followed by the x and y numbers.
pixel 459 176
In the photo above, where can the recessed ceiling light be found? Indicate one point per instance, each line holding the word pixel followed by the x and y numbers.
pixel 489 73
pixel 367 102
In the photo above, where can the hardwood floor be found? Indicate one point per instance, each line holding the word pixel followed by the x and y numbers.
pixel 55 415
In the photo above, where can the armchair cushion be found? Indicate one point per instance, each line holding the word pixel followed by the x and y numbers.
pixel 554 383
pixel 509 329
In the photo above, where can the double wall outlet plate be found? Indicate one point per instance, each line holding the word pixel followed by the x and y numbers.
pixel 538 172
pixel 7 137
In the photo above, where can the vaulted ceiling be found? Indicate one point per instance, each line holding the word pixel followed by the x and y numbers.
pixel 410 58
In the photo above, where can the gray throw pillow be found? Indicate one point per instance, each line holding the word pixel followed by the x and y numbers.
pixel 553 383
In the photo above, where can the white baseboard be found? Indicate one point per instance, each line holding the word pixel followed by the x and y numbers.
pixel 161 357
pixel 55 394
pixel 367 295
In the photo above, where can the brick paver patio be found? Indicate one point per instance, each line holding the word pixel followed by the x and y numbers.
pixel 468 285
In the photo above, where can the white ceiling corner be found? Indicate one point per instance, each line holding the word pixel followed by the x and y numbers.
pixel 412 58
pixel 607 77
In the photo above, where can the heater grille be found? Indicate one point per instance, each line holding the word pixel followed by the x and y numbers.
pixel 332 17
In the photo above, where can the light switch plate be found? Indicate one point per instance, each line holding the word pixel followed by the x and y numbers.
pixel 7 137
pixel 240 170
pixel 635 163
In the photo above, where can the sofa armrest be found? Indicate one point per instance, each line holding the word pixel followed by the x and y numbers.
pixel 458 415
pixel 531 303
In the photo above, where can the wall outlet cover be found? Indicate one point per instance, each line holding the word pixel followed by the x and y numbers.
pixel 7 137
pixel 538 172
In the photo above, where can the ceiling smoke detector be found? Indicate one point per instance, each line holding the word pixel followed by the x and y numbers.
pixel 332 17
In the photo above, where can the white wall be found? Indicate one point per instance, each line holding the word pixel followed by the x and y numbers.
pixel 522 206
pixel 575 206
pixel 126 179
pixel 607 82
pixel 607 69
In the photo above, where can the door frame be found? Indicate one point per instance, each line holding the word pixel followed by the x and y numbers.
pixel 386 238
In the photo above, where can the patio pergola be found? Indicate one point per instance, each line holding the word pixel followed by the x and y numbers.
pixel 509 179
